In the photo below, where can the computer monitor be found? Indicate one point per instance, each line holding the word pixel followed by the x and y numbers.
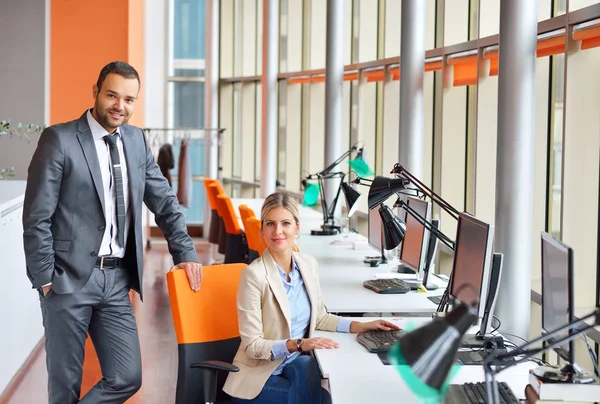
pixel 432 246
pixel 375 238
pixel 480 338
pixel 375 230
pixel 472 262
pixel 413 249
pixel 557 290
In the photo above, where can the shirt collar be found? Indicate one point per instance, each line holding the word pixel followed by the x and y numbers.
pixel 98 132
pixel 295 269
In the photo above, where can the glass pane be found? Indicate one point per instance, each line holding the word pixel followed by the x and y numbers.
pixel 188 72
pixel 194 214
pixel 189 33
pixel 236 130
pixel 186 106
pixel 282 145
pixel 556 138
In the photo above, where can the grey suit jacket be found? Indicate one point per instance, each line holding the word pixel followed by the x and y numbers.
pixel 63 219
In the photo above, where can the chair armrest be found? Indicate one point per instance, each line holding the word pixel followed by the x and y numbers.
pixel 216 366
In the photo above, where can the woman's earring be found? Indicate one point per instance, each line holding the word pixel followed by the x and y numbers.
pixel 297 236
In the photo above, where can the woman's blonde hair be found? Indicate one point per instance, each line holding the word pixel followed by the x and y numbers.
pixel 280 199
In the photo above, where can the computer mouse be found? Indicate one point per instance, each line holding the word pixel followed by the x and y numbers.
pixel 374 264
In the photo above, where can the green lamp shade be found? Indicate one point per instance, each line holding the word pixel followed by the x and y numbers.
pixel 425 357
pixel 311 194
pixel 360 167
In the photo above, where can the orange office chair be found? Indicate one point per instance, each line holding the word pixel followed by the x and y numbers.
pixel 237 246
pixel 256 244
pixel 215 190
pixel 245 212
pixel 206 326
pixel 215 222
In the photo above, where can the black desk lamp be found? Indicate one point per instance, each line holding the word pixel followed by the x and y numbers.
pixel 382 188
pixel 314 191
pixel 425 356
pixel 496 363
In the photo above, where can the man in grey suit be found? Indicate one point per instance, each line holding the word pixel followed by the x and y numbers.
pixel 83 238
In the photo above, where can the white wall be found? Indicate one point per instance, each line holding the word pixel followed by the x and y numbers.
pixel 23 92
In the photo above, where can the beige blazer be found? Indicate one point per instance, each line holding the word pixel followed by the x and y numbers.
pixel 264 317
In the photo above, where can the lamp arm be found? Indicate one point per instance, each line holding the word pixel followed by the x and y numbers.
pixel 331 211
pixel 500 360
pixel 324 207
pixel 331 166
pixel 423 222
pixel 398 169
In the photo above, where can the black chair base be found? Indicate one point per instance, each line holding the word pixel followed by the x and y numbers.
pixel 237 249
pixel 215 227
pixel 222 237
pixel 190 388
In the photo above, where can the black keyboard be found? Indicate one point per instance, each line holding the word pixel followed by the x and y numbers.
pixel 387 285
pixel 379 341
pixel 435 299
pixel 475 393
pixel 470 357
pixel 475 357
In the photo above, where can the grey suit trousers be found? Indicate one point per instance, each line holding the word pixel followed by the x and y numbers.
pixel 101 308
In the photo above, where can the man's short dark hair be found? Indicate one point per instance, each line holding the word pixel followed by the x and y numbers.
pixel 121 68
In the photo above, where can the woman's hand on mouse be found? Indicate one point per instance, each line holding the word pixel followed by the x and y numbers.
pixel 380 325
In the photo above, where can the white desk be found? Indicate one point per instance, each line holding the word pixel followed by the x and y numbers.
pixel 357 376
pixel 342 271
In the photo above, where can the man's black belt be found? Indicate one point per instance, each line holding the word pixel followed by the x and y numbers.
pixel 109 262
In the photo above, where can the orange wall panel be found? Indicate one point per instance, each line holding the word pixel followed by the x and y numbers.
pixel 85 36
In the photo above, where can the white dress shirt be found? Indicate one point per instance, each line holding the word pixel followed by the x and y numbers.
pixel 109 246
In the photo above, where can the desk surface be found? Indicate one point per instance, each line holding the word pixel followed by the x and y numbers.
pixel 357 376
pixel 342 271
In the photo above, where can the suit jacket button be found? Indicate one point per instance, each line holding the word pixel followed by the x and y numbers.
pixel 93 253
pixel 101 227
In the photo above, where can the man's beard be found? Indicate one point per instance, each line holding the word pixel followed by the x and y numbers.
pixel 108 121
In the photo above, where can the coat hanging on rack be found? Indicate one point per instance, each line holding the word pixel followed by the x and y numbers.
pixel 166 161
pixel 184 190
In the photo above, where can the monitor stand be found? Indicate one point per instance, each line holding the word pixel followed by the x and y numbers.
pixel 476 341
pixel 431 286
pixel 325 230
pixel 403 269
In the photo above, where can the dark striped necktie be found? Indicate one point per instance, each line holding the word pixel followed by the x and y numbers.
pixel 111 140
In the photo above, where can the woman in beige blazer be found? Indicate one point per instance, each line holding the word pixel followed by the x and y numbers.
pixel 279 307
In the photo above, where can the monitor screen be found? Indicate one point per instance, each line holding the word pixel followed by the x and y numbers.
pixel 557 290
pixel 472 258
pixel 375 229
pixel 411 252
